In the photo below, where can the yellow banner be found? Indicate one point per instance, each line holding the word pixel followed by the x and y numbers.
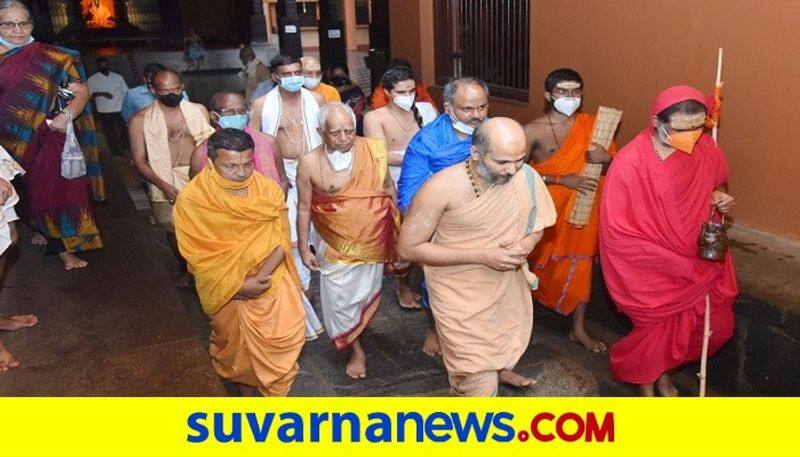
pixel 399 426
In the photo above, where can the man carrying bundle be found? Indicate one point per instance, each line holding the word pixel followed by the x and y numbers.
pixel 560 146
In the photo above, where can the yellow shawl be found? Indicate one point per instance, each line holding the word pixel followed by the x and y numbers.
pixel 225 238
pixel 157 140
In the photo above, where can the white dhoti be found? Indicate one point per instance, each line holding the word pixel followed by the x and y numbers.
pixel 313 325
pixel 349 293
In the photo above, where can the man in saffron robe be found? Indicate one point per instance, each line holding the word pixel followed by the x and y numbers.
pixel 472 226
pixel 344 188
pixel 443 142
pixel 233 231
pixel 229 110
pixel 659 192
pixel 312 80
pixel 560 146
pixel 30 72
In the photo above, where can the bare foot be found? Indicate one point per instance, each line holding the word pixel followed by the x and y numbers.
pixel 182 280
pixel 11 323
pixel 665 386
pixel 407 298
pixel 587 341
pixel 510 378
pixel 72 262
pixel 357 366
pixel 431 345
pixel 38 239
pixel 7 361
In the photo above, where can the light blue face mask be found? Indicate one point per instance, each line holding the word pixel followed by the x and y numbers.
pixel 292 83
pixel 9 45
pixel 460 126
pixel 237 121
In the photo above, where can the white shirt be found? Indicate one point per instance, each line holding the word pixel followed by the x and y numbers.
pixel 114 84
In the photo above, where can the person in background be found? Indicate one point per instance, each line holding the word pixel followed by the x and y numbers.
pixel 195 52
pixel 349 92
pixel 312 80
pixel 108 90
pixel 59 209
pixel 254 71
pixel 379 98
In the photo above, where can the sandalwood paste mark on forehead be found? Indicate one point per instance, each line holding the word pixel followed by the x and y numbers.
pixel 687 121
pixel 568 85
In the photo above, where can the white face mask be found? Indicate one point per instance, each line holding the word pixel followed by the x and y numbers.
pixel 311 83
pixel 340 160
pixel 404 101
pixel 460 126
pixel 567 105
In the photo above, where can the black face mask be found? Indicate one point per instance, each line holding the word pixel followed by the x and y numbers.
pixel 339 81
pixel 105 71
pixel 171 100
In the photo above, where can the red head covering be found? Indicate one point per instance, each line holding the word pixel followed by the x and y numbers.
pixel 673 95
pixel 676 94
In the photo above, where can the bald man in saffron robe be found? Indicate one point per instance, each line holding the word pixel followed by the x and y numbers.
pixel 472 226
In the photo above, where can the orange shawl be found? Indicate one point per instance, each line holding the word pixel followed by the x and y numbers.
pixel 360 222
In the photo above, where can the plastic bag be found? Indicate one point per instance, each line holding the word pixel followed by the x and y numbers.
pixel 73 165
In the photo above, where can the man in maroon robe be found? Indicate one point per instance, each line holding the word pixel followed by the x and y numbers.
pixel 658 192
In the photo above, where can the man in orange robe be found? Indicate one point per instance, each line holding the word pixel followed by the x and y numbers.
pixel 232 229
pixel 344 188
pixel 560 146
pixel 472 226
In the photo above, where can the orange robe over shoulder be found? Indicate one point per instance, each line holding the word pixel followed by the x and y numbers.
pixel 563 258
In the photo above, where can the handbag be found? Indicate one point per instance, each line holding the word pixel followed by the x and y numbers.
pixel 713 241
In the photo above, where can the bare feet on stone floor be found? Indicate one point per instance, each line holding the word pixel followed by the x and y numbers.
pixel 431 345
pixel 407 298
pixel 357 366
pixel 512 379
pixel 72 262
pixel 594 345
pixel 11 323
pixel 665 386
pixel 38 240
pixel 7 360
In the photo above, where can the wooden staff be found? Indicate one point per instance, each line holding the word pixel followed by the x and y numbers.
pixel 704 354
pixel 707 318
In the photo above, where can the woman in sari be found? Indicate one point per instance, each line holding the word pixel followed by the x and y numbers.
pixel 59 209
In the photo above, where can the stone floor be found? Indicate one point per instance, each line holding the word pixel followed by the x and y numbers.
pixel 115 328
